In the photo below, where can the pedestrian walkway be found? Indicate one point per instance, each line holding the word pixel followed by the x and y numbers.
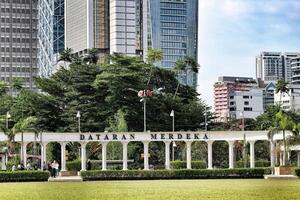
pixel 65 179
pixel 280 177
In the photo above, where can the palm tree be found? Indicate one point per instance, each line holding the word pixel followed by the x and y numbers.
pixel 188 63
pixel 22 126
pixel 284 124
pixel 282 87
pixel 154 55
pixel 92 56
pixel 66 55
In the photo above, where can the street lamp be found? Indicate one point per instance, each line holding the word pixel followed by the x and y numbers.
pixel 205 119
pixel 172 114
pixel 145 123
pixel 173 148
pixel 244 145
pixel 78 116
pixel 7 118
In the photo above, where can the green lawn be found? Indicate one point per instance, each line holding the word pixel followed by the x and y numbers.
pixel 163 189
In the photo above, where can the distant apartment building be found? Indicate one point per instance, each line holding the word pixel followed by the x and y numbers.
pixel 223 89
pixel 289 100
pixel 295 65
pixel 173 28
pixel 273 66
pixel 50 34
pixel 246 104
pixel 18 41
pixel 111 26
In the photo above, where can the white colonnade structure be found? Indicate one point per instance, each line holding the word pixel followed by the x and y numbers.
pixel 146 137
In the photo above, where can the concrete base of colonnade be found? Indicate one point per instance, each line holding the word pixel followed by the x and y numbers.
pixel 280 177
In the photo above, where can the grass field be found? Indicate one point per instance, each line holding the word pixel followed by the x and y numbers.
pixel 163 189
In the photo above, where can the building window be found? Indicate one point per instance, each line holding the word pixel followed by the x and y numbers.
pixel 246 103
pixel 231 97
pixel 245 97
pixel 247 109
pixel 232 103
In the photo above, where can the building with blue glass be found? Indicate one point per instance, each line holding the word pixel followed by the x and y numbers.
pixel 50 34
pixel 173 28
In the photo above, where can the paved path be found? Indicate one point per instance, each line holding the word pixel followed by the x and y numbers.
pixel 65 179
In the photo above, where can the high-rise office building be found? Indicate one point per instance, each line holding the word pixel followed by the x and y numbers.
pixel 50 34
pixel 18 36
pixel 109 25
pixel 173 28
pixel 295 65
pixel 273 66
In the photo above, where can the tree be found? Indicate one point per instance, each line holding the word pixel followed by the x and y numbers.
pixel 76 59
pixel 92 56
pixel 188 63
pixel 66 55
pixel 281 86
pixel 283 124
pixel 154 55
pixel 3 88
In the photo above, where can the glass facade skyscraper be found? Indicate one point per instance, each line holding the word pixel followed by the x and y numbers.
pixel 50 35
pixel 173 29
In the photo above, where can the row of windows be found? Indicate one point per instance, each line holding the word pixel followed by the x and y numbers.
pixel 173 18
pixel 18 50
pixel 15 69
pixel 18 20
pixel 174 51
pixel 173 25
pixel 23 10
pixel 18 40
pixel 173 44
pixel 24 60
pixel 19 30
pixel 173 31
pixel 172 12
pixel 173 58
pixel 174 37
pixel 172 5
pixel 245 109
pixel 19 1
pixel 7 79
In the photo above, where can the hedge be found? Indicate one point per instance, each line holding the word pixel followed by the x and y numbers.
pixel 297 172
pixel 258 163
pixel 24 176
pixel 73 165
pixel 177 164
pixel 174 174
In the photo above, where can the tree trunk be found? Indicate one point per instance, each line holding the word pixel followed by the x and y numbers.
pixel 284 149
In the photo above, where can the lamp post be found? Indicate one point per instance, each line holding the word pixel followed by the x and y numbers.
pixel 205 119
pixel 7 118
pixel 78 116
pixel 244 135
pixel 172 114
pixel 173 152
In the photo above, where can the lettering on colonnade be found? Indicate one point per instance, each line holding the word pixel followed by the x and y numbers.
pixel 142 136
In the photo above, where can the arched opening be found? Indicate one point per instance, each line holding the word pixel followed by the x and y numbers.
pixel 53 153
pixel 157 155
pixel 220 151
pixel 262 153
pixel 114 155
pixel 199 155
pixel 135 155
pixel 73 155
pixel 33 156
pixel 178 155
pixel 94 155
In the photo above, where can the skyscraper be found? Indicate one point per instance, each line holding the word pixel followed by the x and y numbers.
pixel 50 34
pixel 108 25
pixel 18 36
pixel 295 64
pixel 173 28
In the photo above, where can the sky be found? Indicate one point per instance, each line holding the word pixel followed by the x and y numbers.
pixel 233 32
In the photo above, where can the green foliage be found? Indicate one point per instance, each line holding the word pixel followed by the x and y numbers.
pixel 74 165
pixel 24 176
pixel 281 86
pixel 119 124
pixel 297 172
pixel 66 55
pixel 3 88
pixel 178 164
pixel 92 56
pixel 175 174
pixel 154 55
pixel 258 163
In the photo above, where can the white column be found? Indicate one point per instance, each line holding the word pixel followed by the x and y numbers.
pixel 231 154
pixel 24 150
pixel 3 166
pixel 43 154
pixel 288 157
pixel 104 145
pixel 252 154
pixel 83 156
pixel 125 144
pixel 63 156
pixel 167 154
pixel 146 155
pixel 188 155
pixel 209 154
pixel 298 158
pixel 281 157
pixel 272 153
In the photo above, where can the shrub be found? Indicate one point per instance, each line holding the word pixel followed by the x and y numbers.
pixel 74 165
pixel 23 176
pixel 175 174
pixel 258 163
pixel 297 172
pixel 177 164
